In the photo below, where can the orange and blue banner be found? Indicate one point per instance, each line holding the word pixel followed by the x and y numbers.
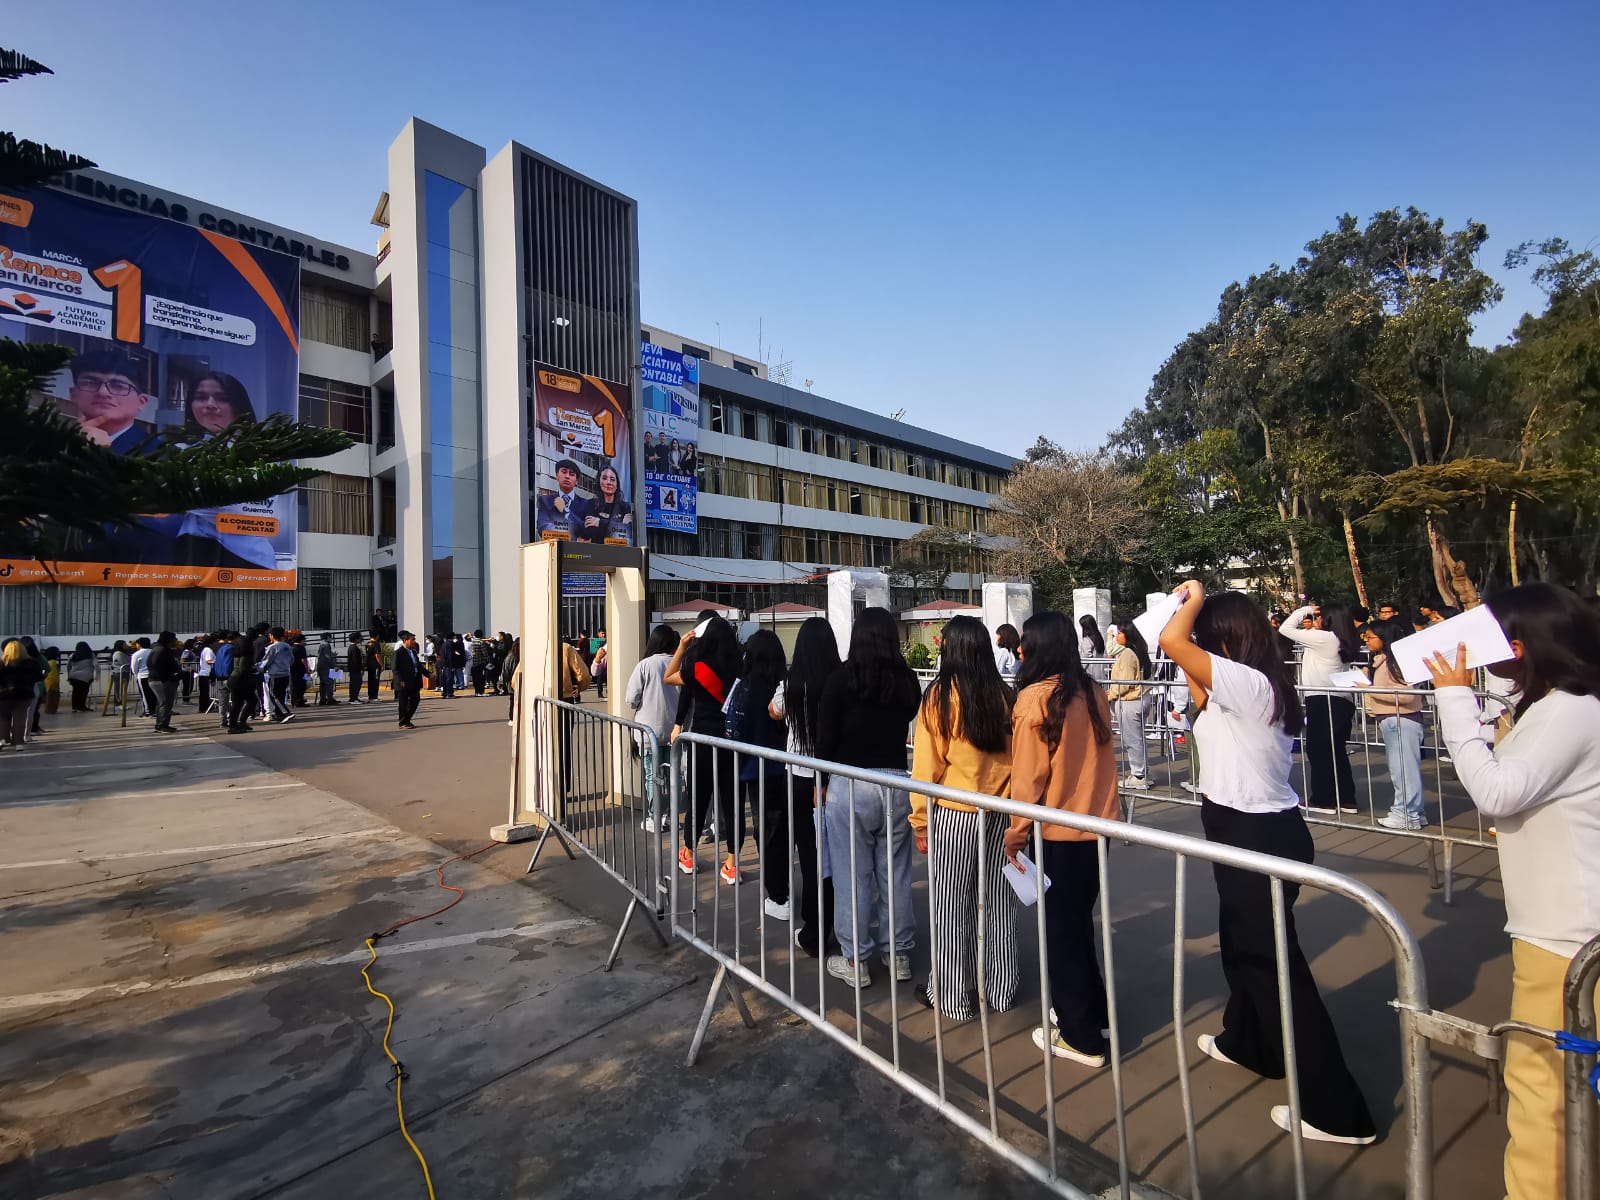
pixel 176 333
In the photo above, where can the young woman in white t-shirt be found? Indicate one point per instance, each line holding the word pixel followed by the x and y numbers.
pixel 1249 717
pixel 1541 785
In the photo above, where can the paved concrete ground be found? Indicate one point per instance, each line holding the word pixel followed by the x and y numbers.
pixel 584 1092
pixel 182 1012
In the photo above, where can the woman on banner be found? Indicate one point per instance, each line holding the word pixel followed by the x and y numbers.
pixel 608 517
pixel 218 401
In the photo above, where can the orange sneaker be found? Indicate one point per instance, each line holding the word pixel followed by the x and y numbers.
pixel 730 873
pixel 686 862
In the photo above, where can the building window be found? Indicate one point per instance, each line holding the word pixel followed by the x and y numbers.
pixel 696 351
pixel 744 367
pixel 337 405
pixel 335 317
pixel 780 432
pixel 747 424
pixel 808 439
pixel 336 504
pixel 385 419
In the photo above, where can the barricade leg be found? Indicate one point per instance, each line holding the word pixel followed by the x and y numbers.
pixel 549 828
pixel 721 981
pixel 627 918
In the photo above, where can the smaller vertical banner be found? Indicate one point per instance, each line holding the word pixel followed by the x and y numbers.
pixel 671 415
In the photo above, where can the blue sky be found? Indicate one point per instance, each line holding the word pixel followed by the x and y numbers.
pixel 1001 218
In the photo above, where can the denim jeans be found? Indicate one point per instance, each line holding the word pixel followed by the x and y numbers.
pixel 1402 745
pixel 869 839
pixel 1130 720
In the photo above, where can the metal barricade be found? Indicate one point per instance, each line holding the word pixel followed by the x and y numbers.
pixel 598 786
pixel 1366 776
pixel 864 832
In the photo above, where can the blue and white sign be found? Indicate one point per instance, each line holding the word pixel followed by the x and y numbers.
pixel 670 412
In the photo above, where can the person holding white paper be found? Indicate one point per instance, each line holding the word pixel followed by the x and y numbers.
pixel 963 740
pixel 1250 716
pixel 1062 757
pixel 1541 785
pixel 1327 637
pixel 1400 721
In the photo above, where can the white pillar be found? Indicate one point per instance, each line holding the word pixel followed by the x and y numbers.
pixel 1096 602
pixel 848 591
pixel 1006 604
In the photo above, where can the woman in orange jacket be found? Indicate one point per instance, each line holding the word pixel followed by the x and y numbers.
pixel 1062 757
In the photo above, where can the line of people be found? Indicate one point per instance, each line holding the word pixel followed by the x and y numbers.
pixel 452 662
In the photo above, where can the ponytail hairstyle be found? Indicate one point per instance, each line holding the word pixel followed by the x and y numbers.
pixel 967 674
pixel 1338 620
pixel 1050 652
pixel 1232 626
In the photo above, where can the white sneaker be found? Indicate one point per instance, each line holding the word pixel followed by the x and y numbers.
pixel 1190 787
pixel 1208 1046
pixel 1280 1118
pixel 1152 737
pixel 901 966
pixel 1320 808
pixel 648 824
pixel 1399 820
pixel 855 974
pixel 1136 783
pixel 19 747
pixel 778 912
pixel 1060 1049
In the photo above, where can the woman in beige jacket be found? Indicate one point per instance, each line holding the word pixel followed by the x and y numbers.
pixel 1062 757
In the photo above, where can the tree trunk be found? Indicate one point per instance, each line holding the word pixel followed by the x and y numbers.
pixel 1355 560
pixel 1283 515
pixel 1511 543
pixel 1449 576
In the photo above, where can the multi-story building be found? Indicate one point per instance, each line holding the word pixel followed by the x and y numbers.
pixel 424 354
pixel 793 485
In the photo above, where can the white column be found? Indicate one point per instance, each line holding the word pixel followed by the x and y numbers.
pixel 846 590
pixel 1007 604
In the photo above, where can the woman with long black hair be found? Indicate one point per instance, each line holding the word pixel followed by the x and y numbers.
pixel 1062 758
pixel 867 707
pixel 1130 668
pixel 796 701
pixel 1329 646
pixel 81 671
pixel 703 670
pixel 963 740
pixel 1400 722
pixel 1250 716
pixel 1541 786
pixel 761 779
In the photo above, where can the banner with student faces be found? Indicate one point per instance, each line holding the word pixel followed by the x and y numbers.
pixel 671 415
pixel 176 333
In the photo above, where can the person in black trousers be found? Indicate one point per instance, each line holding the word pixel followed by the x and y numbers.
pixel 407 678
pixel 165 673
pixel 1250 716
pixel 374 667
pixel 354 662
pixel 244 685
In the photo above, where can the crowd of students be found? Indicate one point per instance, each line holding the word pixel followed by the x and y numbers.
pixel 1022 716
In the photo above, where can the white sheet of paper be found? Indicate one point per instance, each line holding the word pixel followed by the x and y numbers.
pixel 1348 679
pixel 1026 880
pixel 1476 628
pixel 1151 623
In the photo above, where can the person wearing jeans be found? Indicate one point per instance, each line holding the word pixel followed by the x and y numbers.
pixel 1399 720
pixel 1130 667
pixel 277 664
pixel 865 710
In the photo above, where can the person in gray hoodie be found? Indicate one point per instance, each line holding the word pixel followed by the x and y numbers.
pixel 655 703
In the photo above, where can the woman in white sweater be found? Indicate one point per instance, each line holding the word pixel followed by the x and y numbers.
pixel 1541 786
pixel 1329 642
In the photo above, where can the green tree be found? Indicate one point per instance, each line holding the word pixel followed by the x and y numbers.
pixel 56 486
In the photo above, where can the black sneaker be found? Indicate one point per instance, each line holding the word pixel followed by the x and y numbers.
pixel 287 717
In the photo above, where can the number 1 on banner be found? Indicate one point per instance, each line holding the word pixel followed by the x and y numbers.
pixel 608 426
pixel 125 282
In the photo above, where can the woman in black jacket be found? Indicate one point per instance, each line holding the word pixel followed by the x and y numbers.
pixel 704 669
pixel 20 674
pixel 374 668
pixel 353 660
pixel 762 780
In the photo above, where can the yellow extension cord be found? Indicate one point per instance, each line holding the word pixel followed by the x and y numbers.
pixel 399 1108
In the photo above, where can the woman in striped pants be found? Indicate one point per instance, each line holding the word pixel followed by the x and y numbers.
pixel 963 740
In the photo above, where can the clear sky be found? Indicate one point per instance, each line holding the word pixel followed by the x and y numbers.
pixel 999 217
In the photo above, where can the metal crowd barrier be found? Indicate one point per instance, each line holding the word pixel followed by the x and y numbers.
pixel 590 788
pixel 1450 818
pixel 714 914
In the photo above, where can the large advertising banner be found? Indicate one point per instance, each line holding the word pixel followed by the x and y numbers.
pixel 176 333
pixel 671 416
pixel 580 459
